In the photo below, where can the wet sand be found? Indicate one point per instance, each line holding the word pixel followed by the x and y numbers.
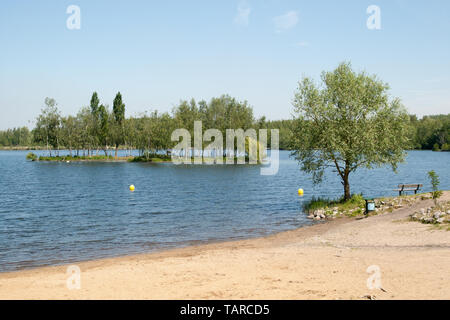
pixel 325 261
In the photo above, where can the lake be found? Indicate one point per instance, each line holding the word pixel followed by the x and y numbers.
pixel 53 213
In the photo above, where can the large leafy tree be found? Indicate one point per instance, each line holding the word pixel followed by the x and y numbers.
pixel 48 125
pixel 163 128
pixel 119 118
pixel 95 121
pixel 69 132
pixel 185 114
pixel 94 103
pixel 103 130
pixel 346 123
pixel 85 128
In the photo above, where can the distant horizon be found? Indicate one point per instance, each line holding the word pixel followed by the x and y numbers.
pixel 158 53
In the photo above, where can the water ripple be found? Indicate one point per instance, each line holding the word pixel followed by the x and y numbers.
pixel 53 213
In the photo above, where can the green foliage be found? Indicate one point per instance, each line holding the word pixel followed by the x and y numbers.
pixel 430 132
pixel 318 203
pixel 260 151
pixel 285 128
pixel 434 179
pixel 69 132
pixel 47 130
pixel 119 109
pixel 220 113
pixel 31 156
pixel 315 203
pixel 346 123
pixel 103 132
pixel 94 121
pixel 151 157
pixel 94 127
pixel 16 137
pixel 117 127
pixel 94 103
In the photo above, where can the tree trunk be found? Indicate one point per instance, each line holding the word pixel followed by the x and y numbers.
pixel 48 149
pixel 346 183
pixel 115 153
pixel 347 195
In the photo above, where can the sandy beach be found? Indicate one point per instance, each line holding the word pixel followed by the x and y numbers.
pixel 325 261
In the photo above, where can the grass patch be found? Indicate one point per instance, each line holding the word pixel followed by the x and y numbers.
pixel 75 158
pixel 356 212
pixel 356 203
pixel 151 158
pixel 165 158
pixel 321 203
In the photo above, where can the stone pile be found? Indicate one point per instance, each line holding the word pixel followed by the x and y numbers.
pixel 433 215
pixel 395 203
pixel 321 214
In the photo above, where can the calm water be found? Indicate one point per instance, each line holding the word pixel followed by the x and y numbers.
pixel 53 213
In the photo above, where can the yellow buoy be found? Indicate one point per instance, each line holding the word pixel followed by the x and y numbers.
pixel 132 188
pixel 300 192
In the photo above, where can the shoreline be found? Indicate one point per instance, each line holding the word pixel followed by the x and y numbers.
pixel 321 261
pixel 230 242
pixel 132 159
pixel 43 148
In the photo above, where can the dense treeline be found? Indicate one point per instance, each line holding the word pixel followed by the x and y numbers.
pixel 96 127
pixel 431 132
pixel 16 137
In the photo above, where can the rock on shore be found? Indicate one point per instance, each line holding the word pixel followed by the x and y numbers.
pixel 433 215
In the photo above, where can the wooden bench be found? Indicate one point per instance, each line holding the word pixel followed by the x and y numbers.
pixel 408 187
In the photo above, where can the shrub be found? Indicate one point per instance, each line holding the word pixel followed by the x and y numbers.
pixel 436 147
pixel 436 193
pixel 31 156
pixel 151 157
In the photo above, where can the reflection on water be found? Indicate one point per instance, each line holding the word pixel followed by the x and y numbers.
pixel 54 213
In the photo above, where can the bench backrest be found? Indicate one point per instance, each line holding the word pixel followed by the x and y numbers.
pixel 416 186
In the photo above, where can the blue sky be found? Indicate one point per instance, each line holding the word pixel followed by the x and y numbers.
pixel 158 52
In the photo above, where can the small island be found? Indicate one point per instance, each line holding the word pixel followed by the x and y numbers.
pixel 99 158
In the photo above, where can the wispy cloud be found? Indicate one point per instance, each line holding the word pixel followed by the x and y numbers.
pixel 286 21
pixel 242 17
